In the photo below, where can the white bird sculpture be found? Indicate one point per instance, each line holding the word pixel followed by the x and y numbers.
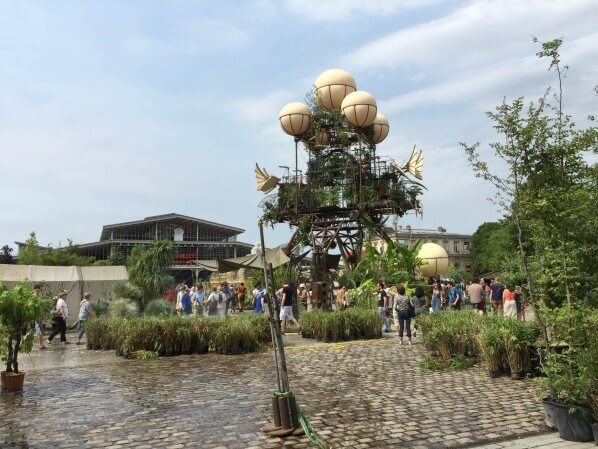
pixel 265 181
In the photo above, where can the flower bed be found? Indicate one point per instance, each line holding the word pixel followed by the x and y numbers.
pixel 174 335
pixel 351 324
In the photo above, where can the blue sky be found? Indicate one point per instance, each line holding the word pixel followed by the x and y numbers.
pixel 115 110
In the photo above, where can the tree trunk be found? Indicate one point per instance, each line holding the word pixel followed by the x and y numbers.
pixel 15 354
pixel 9 357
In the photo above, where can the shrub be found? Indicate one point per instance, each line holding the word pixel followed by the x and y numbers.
pixel 123 308
pixel 348 324
pixel 159 307
pixel 100 306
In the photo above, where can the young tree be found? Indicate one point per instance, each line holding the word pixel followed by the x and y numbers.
pixel 149 269
pixel 491 244
pixel 30 254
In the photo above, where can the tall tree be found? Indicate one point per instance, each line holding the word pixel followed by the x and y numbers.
pixel 30 254
pixel 6 255
pixel 491 244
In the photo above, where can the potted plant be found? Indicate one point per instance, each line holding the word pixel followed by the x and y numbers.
pixel 570 368
pixel 19 306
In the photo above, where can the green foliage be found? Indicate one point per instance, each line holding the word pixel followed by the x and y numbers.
pixel 123 308
pixel 175 335
pixel 395 264
pixel 68 256
pixel 18 307
pixel 572 369
pixel 100 306
pixel 549 192
pixel 6 255
pixel 30 253
pixel 149 270
pixel 127 290
pixel 159 307
pixel 117 258
pixel 460 339
pixel 364 296
pixel 431 363
pixel 458 274
pixel 491 244
pixel 350 324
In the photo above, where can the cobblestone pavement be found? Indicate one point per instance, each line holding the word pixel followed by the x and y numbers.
pixel 547 441
pixel 357 395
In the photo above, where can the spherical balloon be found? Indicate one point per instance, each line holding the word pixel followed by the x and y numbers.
pixel 435 260
pixel 295 119
pixel 378 130
pixel 359 108
pixel 332 86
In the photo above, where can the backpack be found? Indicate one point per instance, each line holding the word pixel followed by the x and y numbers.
pixel 212 303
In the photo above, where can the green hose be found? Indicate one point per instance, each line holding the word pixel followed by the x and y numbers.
pixel 310 432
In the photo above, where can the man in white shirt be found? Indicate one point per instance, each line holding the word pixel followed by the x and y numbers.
pixel 61 313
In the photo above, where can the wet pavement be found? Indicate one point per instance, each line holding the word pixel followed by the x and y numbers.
pixel 368 394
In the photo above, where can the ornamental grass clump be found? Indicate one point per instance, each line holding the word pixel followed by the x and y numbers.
pixel 519 338
pixel 100 306
pixel 350 324
pixel 123 308
pixel 159 307
pixel 491 340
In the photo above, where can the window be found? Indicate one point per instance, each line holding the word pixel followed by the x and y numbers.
pixel 456 246
pixel 445 243
pixel 466 247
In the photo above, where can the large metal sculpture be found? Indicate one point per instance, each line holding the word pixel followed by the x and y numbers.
pixel 347 189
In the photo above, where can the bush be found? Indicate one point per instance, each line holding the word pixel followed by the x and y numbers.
pixel 159 307
pixel 100 306
pixel 518 338
pixel 492 344
pixel 348 324
pixel 123 308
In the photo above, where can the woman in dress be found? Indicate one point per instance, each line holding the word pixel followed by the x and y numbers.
pixel 436 297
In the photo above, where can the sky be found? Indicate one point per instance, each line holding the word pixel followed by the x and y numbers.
pixel 112 111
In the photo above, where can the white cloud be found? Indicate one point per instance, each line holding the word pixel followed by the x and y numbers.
pixel 479 32
pixel 193 36
pixel 491 82
pixel 344 10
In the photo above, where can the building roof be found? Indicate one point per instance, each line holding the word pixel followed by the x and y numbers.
pixel 431 233
pixel 174 216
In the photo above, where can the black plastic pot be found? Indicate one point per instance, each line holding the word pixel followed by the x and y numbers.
pixel 549 411
pixel 572 426
pixel 494 374
pixel 595 431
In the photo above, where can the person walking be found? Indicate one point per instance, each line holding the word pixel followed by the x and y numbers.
pixel 476 296
pixel 509 303
pixel 420 305
pixel 404 306
pixel 454 297
pixel 227 297
pixel 341 299
pixel 198 301
pixel 85 312
pixel 496 296
pixel 38 324
pixel 212 302
pixel 241 291
pixel 60 314
pixel 186 305
pixel 286 310
pixel 436 298
pixel 384 306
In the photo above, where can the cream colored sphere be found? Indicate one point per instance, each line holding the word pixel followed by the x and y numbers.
pixel 434 258
pixel 295 119
pixel 378 130
pixel 332 86
pixel 359 108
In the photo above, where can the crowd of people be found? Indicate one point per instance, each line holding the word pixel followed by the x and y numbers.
pixel 483 296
